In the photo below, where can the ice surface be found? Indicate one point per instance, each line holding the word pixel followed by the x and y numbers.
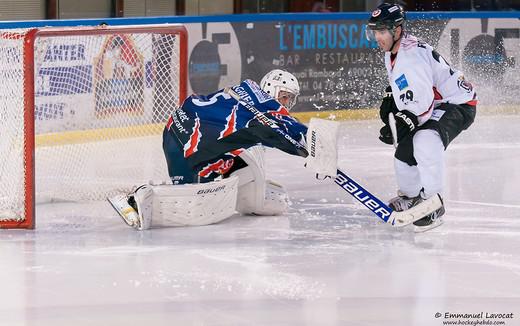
pixel 328 261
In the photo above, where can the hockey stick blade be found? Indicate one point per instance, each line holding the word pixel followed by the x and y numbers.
pixel 417 212
pixel 385 213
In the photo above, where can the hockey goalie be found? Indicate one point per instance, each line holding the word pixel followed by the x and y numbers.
pixel 213 147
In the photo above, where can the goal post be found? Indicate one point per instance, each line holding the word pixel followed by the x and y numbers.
pixel 82 110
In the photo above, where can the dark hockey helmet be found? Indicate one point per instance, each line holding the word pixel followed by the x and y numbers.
pixel 387 16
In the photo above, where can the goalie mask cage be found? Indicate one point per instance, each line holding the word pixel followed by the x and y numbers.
pixel 82 112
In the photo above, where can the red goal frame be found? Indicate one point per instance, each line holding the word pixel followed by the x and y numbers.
pixel 29 37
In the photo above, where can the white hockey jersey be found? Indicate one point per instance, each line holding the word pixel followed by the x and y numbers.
pixel 421 79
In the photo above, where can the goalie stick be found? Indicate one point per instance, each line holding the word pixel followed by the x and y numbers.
pixel 370 201
pixel 385 213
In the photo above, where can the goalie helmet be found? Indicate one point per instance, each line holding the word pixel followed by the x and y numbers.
pixel 281 85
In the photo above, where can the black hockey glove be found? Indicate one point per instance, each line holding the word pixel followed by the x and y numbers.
pixel 385 135
pixel 387 106
pixel 406 123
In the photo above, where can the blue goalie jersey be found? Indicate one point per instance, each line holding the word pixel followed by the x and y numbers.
pixel 213 128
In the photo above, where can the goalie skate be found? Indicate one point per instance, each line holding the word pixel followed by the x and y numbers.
pixel 122 206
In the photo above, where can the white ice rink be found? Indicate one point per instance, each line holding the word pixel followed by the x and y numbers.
pixel 326 262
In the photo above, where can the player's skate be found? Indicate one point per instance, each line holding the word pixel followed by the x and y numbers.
pixel 135 208
pixel 430 221
pixel 122 205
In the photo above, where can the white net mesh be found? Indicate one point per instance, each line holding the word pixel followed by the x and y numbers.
pixel 101 101
pixel 11 126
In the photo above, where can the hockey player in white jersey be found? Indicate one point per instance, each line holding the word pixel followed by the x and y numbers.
pixel 427 105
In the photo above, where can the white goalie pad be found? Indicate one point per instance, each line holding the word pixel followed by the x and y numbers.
pixel 251 184
pixel 276 200
pixel 322 146
pixel 256 195
pixel 194 204
pixel 179 205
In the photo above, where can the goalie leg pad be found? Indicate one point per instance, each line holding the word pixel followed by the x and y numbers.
pixel 276 201
pixel 143 197
pixel 177 205
pixel 251 184
pixel 256 195
pixel 194 204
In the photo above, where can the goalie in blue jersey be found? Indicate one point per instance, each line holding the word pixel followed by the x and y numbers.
pixel 214 161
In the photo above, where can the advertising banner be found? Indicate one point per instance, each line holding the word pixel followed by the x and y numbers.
pixel 338 68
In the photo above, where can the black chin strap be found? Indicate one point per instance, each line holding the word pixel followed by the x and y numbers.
pixel 395 41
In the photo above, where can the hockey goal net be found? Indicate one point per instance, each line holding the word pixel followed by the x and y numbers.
pixel 82 112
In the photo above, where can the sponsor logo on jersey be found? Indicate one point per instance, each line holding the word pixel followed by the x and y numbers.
pixel 177 118
pixel 244 95
pixel 437 114
pixel 248 103
pixel 401 82
pixel 119 77
pixel 221 167
pixel 174 120
pixel 193 145
pixel 376 12
pixel 261 96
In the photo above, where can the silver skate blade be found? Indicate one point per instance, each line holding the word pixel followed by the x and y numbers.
pixel 415 213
